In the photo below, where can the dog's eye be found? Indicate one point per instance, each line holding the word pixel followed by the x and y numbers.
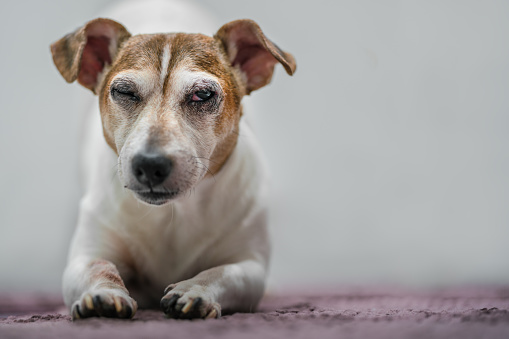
pixel 122 93
pixel 202 95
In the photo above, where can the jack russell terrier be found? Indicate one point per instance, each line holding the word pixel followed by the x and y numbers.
pixel 170 106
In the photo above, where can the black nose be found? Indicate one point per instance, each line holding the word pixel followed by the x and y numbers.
pixel 151 169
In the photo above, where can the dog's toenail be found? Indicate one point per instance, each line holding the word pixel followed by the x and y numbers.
pixel 89 302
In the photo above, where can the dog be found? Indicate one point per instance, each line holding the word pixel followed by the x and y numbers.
pixel 174 213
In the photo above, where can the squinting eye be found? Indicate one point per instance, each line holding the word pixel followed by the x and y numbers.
pixel 202 95
pixel 119 93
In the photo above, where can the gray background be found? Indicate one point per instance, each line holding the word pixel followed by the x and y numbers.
pixel 388 148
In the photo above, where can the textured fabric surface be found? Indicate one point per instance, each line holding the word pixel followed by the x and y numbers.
pixel 340 313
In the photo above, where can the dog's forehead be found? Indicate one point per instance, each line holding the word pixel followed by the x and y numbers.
pixel 159 52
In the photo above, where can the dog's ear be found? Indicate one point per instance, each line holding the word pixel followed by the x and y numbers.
pixel 83 54
pixel 255 55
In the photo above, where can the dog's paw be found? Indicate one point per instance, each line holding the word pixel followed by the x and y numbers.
pixel 108 303
pixel 187 301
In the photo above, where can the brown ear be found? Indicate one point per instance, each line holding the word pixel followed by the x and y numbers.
pixel 255 55
pixel 84 53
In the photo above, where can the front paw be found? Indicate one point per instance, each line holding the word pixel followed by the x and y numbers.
pixel 184 301
pixel 108 303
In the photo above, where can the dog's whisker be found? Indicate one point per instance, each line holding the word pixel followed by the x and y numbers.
pixel 113 176
pixel 197 162
pixel 172 212
pixel 215 162
pixel 150 209
pixel 212 174
pixel 114 170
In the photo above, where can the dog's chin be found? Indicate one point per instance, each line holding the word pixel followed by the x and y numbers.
pixel 156 198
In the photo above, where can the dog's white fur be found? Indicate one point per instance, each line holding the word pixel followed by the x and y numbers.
pixel 171 240
pixel 218 229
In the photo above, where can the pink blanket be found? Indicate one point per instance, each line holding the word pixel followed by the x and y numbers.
pixel 341 313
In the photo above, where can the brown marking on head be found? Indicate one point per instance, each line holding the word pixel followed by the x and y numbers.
pixel 205 54
pixel 139 53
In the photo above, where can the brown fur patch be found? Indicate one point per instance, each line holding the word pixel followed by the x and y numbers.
pixel 140 52
pixel 206 54
pixel 106 272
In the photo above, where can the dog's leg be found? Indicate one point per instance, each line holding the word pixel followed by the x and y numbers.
pixel 236 287
pixel 94 288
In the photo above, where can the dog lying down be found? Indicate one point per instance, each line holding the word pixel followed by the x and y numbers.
pixel 170 106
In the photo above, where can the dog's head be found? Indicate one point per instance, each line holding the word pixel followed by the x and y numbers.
pixel 170 103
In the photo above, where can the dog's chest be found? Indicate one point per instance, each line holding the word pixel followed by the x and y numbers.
pixel 167 243
pixel 175 242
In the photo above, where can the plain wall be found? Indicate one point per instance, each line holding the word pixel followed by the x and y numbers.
pixel 389 148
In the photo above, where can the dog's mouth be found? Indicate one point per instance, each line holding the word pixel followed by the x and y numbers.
pixel 155 198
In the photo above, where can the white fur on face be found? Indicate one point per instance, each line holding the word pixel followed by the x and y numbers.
pixel 168 125
pixel 165 62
